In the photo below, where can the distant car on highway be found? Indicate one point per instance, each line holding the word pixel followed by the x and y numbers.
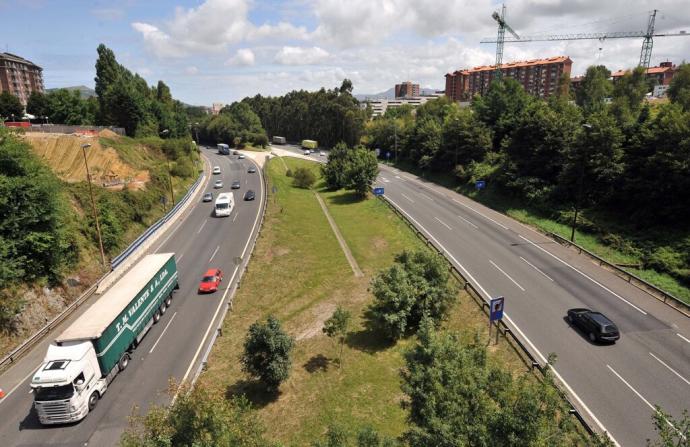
pixel 216 169
pixel 235 152
pixel 208 197
pixel 594 324
pixel 241 156
pixel 307 152
pixel 211 281
pixel 236 184
pixel 322 153
pixel 251 170
pixel 218 184
pixel 249 195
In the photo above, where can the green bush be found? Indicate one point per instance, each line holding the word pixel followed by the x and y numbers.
pixel 303 178
pixel 184 168
pixel 268 353
pixel 664 259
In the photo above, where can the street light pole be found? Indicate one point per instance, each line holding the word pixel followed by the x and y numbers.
pixel 172 195
pixel 196 132
pixel 580 186
pixel 395 130
pixel 93 204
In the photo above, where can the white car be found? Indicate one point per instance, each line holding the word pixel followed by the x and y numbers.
pixel 216 169
pixel 307 152
pixel 322 153
pixel 218 184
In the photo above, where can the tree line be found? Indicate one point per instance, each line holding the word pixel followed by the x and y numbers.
pixel 609 151
pixel 236 125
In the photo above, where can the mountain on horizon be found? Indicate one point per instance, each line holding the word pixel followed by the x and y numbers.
pixel 390 94
pixel 84 91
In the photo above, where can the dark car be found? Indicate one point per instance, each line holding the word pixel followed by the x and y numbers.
pixel 208 197
pixel 241 156
pixel 235 153
pixel 249 195
pixel 594 324
pixel 251 170
pixel 236 184
pixel 211 281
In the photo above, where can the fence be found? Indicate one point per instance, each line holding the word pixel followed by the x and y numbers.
pixel 517 345
pixel 636 281
pixel 26 345
pixel 63 128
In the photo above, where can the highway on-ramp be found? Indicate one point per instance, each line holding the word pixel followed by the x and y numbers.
pixel 615 386
pixel 173 347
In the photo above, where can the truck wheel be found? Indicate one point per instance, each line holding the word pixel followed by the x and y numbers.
pixel 124 361
pixel 93 400
pixel 157 316
pixel 168 300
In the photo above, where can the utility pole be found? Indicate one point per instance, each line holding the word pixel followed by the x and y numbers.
pixel 93 204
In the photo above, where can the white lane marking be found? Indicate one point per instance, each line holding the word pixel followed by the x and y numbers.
pixel 670 369
pixel 633 389
pixel 222 300
pixel 480 213
pixel 425 196
pixel 235 216
pixel 507 275
pixel 443 223
pixel 400 178
pixel 21 382
pixel 586 276
pixel 178 258
pixel 201 227
pixel 515 326
pixel 537 269
pixel 214 253
pixel 412 201
pixel 470 223
pixel 162 333
pixel 384 179
pixel 683 337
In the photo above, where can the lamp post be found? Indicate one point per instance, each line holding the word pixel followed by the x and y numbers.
pixel 93 203
pixel 395 133
pixel 172 195
pixel 455 120
pixel 580 182
pixel 196 132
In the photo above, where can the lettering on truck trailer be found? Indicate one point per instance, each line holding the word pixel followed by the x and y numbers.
pixel 142 299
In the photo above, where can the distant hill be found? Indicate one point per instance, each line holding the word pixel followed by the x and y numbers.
pixel 83 90
pixel 390 94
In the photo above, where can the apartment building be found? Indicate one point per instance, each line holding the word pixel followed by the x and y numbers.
pixel 406 90
pixel 20 77
pixel 662 75
pixel 539 77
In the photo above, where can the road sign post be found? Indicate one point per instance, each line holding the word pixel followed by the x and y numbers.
pixel 378 191
pixel 480 184
pixel 496 306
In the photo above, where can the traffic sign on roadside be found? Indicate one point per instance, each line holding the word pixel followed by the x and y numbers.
pixel 496 308
pixel 378 191
pixel 480 184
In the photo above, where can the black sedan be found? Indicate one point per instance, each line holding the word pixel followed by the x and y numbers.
pixel 594 324
pixel 249 195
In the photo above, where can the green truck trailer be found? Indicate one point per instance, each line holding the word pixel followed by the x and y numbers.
pixel 309 144
pixel 85 358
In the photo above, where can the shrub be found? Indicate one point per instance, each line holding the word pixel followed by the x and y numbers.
pixel 664 259
pixel 303 178
pixel 268 353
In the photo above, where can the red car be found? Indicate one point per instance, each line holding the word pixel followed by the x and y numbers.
pixel 211 280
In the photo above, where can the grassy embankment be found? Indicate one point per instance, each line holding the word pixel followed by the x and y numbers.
pixel 299 273
pixel 618 242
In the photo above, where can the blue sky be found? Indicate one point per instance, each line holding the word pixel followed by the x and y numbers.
pixel 222 50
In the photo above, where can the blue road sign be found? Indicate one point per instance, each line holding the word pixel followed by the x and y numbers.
pixel 378 191
pixel 496 308
pixel 480 184
pixel 388 154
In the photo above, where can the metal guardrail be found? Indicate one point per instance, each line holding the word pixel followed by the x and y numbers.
pixel 635 280
pixel 29 343
pixel 518 346
pixel 152 229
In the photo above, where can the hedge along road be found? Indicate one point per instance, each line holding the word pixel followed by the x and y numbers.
pixel 170 348
pixel 617 384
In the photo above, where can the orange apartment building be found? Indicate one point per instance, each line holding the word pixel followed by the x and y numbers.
pixel 20 77
pixel 539 77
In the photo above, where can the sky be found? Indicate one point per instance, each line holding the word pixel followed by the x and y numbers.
pixel 223 50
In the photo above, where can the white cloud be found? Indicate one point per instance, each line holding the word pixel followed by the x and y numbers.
pixel 243 57
pixel 301 55
pixel 191 70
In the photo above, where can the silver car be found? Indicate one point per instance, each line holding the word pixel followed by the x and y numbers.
pixel 218 184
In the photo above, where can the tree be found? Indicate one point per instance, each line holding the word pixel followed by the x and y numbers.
pixel 337 326
pixel 628 93
pixel 679 90
pixel 10 106
pixel 416 286
pixel 673 432
pixel 202 418
pixel 267 353
pixel 303 178
pixel 594 88
pixel 361 169
pixel 464 139
pixel 66 107
pixel 37 105
pixel 334 169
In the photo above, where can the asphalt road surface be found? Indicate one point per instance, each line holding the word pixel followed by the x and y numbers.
pixel 173 347
pixel 617 384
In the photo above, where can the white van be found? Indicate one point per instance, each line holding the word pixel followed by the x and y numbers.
pixel 224 204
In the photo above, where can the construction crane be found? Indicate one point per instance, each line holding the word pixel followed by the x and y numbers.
pixel 647 43
pixel 502 27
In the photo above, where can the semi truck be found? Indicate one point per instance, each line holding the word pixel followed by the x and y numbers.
pixel 86 357
pixel 309 144
pixel 223 149
pixel 279 140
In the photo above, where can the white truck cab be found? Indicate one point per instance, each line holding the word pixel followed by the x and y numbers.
pixel 68 384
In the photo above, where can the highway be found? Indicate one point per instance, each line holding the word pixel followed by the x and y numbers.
pixel 174 346
pixel 616 386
